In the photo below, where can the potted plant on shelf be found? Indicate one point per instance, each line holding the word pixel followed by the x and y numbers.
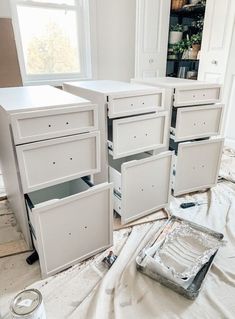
pixel 176 33
pixel 181 47
pixel 195 40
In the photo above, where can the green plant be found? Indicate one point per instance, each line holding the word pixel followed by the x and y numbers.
pixel 176 27
pixel 180 47
pixel 196 38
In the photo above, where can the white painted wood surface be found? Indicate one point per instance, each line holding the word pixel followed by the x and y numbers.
pixel 98 92
pixel 152 28
pixel 120 105
pixel 138 134
pixel 197 165
pixel 216 40
pixel 40 125
pixel 46 163
pixel 197 122
pixel 73 227
pixel 38 99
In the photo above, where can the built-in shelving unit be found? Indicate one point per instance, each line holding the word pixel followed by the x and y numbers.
pixel 183 55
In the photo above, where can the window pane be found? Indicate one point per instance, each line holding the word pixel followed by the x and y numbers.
pixel 49 39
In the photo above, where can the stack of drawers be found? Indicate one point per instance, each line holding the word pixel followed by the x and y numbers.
pixel 134 125
pixel 50 146
pixel 195 122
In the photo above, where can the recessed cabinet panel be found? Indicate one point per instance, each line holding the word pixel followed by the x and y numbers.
pixel 139 134
pixel 141 186
pixel 145 186
pixel 197 122
pixel 121 105
pixel 196 96
pixel 47 163
pixel 197 165
pixel 74 226
pixel 40 125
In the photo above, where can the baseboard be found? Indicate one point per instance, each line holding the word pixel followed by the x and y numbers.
pixel 229 142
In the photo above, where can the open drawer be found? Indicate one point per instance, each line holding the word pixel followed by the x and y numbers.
pixel 197 94
pixel 71 222
pixel 139 102
pixel 196 165
pixel 196 122
pixel 54 161
pixel 141 186
pixel 44 124
pixel 138 134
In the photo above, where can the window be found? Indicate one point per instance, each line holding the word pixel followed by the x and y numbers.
pixel 53 40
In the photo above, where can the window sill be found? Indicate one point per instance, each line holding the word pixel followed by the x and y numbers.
pixel 55 82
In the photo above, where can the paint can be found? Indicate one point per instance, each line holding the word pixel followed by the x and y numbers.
pixel 28 304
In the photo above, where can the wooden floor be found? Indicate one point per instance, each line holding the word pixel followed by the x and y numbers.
pixel 11 239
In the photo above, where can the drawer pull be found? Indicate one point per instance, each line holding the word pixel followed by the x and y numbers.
pixel 134 136
pixel 67 123
pixel 53 163
pixel 49 125
pixel 146 134
pixel 71 158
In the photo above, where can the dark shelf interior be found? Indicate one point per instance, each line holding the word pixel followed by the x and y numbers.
pixel 188 16
pixel 189 11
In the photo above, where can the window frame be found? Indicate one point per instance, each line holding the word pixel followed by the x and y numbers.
pixel 81 9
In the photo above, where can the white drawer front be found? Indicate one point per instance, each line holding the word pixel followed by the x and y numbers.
pixel 141 186
pixel 197 165
pixel 120 105
pixel 197 96
pixel 198 122
pixel 146 186
pixel 73 228
pixel 40 125
pixel 139 134
pixel 47 163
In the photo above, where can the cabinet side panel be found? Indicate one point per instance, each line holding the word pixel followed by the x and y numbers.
pixel 99 99
pixel 10 176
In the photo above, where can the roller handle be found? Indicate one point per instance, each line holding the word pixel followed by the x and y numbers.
pixel 187 205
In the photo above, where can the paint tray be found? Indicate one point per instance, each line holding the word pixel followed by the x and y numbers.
pixel 188 277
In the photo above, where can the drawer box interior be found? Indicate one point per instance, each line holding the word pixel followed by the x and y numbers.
pixel 47 163
pixel 196 165
pixel 72 221
pixel 197 96
pixel 142 185
pixel 196 122
pixel 133 135
pixel 129 104
pixel 45 124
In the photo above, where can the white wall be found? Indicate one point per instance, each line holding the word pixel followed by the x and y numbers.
pixel 115 21
pixel 229 95
pixel 5 11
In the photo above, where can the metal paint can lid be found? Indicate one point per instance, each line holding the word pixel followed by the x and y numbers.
pixel 26 302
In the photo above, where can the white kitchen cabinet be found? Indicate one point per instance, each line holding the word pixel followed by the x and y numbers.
pixel 194 115
pixel 134 124
pixel 49 140
pixel 152 30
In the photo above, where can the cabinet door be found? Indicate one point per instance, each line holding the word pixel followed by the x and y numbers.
pixel 152 26
pixel 217 34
